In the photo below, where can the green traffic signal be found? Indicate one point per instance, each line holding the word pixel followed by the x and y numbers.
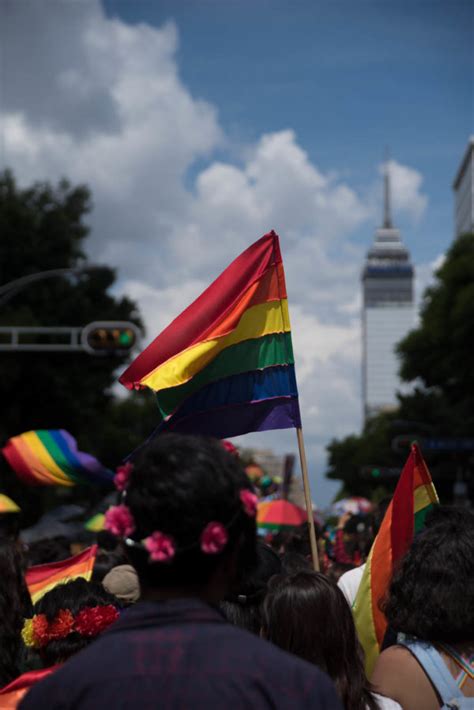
pixel 375 473
pixel 109 337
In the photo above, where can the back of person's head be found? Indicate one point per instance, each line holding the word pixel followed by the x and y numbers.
pixel 67 618
pixel 47 550
pixel 14 605
pixel 243 606
pixel 432 591
pixel 122 582
pixel 191 513
pixel 292 562
pixel 337 569
pixel 307 615
pixel 378 513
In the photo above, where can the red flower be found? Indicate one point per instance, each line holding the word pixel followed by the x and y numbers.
pixel 160 546
pixel 40 630
pixel 91 621
pixel 119 521
pixel 249 502
pixel 213 538
pixel 229 446
pixel 61 626
pixel 122 476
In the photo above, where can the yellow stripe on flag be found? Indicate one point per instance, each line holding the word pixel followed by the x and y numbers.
pixel 260 320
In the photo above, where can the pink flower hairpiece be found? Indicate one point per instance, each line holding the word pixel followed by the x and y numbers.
pixel 119 521
pixel 213 538
pixel 249 502
pixel 160 546
pixel 122 476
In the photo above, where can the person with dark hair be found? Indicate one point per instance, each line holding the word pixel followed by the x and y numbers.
pixel 243 607
pixel 15 603
pixel 65 620
pixel 188 517
pixel 431 606
pixel 307 615
pixel 47 550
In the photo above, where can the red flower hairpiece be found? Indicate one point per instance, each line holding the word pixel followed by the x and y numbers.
pixel 160 546
pixel 91 621
pixel 119 521
pixel 214 538
pixel 249 502
pixel 122 476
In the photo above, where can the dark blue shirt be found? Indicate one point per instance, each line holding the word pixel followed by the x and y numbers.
pixel 177 655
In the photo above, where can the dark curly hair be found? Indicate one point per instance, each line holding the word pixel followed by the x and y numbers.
pixel 243 607
pixel 431 595
pixel 178 485
pixel 15 604
pixel 306 614
pixel 73 596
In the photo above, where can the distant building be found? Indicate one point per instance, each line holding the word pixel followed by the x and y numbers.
pixel 463 187
pixel 387 312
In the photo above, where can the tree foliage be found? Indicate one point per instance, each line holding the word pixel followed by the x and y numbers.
pixel 44 227
pixel 436 357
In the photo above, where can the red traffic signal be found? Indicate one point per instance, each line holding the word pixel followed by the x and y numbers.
pixel 109 337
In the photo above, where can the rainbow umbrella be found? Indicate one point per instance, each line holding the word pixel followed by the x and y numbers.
pixel 276 514
pixel 7 505
pixel 355 505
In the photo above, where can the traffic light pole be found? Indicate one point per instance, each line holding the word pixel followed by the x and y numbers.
pixel 100 338
pixel 61 339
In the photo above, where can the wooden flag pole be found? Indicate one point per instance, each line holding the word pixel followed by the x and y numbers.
pixel 307 496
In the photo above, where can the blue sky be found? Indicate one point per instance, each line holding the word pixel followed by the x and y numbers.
pixel 200 125
pixel 350 79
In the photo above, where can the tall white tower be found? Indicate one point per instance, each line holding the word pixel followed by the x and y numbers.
pixel 387 312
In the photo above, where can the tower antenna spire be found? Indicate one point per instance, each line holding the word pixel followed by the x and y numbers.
pixel 387 214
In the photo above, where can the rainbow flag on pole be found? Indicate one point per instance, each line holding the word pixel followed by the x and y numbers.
pixel 50 457
pixel 414 495
pixel 42 578
pixel 225 365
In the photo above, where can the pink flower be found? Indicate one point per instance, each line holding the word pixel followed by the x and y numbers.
pixel 229 446
pixel 160 546
pixel 119 521
pixel 249 502
pixel 122 476
pixel 213 538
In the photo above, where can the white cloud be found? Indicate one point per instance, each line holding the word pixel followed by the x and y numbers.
pixel 102 102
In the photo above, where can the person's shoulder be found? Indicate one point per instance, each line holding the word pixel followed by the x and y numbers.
pixel 349 582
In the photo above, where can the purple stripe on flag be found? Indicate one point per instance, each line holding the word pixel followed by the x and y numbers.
pixel 237 419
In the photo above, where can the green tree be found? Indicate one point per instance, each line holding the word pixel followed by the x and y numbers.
pixel 436 357
pixel 43 227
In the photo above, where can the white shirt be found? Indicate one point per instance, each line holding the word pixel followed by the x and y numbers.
pixel 349 583
pixel 383 702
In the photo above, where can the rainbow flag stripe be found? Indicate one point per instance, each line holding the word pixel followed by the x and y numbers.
pixel 7 505
pixel 42 578
pixel 225 366
pixel 414 496
pixel 50 457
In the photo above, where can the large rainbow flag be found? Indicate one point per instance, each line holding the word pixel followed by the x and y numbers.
pixel 225 365
pixel 414 495
pixel 50 457
pixel 42 578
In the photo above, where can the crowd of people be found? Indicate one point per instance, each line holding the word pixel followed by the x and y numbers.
pixel 189 608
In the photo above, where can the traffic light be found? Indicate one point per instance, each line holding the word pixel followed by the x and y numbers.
pixel 377 473
pixel 109 337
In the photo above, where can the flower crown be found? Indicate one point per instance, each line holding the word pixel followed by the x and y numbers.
pixel 38 631
pixel 161 547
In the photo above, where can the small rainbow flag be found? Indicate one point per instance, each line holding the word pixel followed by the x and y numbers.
pixel 42 578
pixel 50 457
pixel 414 495
pixel 225 366
pixel 7 505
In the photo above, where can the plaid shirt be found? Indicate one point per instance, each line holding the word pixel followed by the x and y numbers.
pixel 182 654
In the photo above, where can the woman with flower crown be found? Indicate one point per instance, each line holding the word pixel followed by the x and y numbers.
pixel 64 621
pixel 187 517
